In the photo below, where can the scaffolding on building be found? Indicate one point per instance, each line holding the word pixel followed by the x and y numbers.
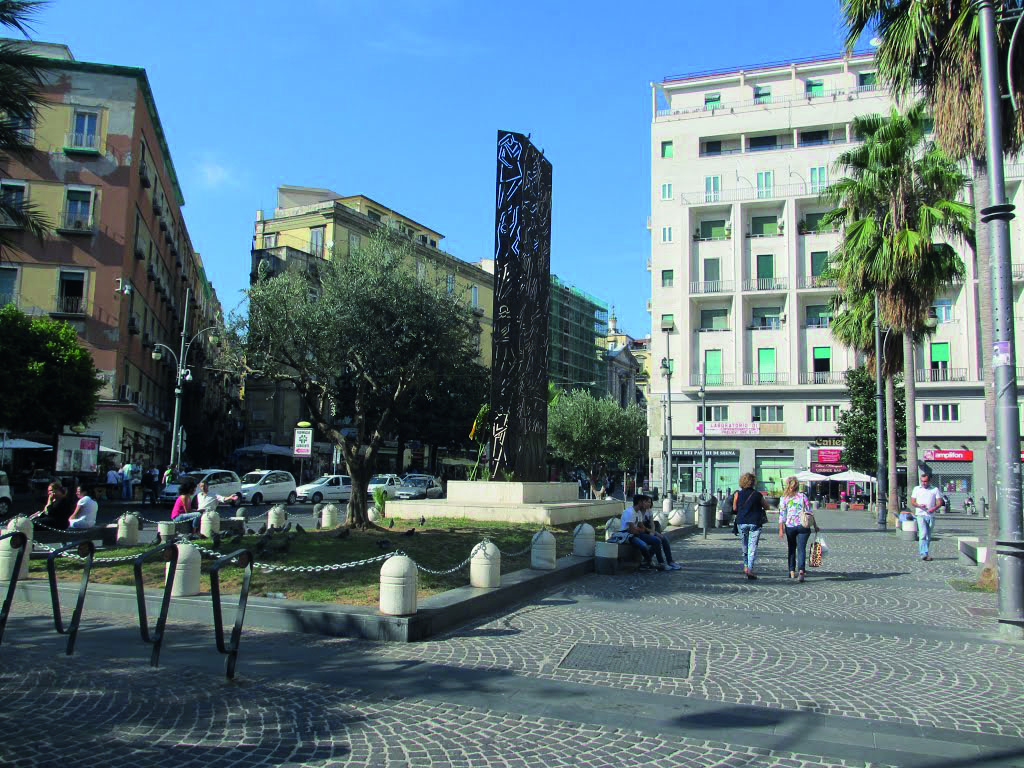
pixel 576 326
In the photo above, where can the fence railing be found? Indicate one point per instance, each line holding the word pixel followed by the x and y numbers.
pixel 88 141
pixel 941 374
pixel 765 379
pixel 822 377
pixel 711 379
pixel 765 284
pixel 814 281
pixel 712 286
pixel 70 305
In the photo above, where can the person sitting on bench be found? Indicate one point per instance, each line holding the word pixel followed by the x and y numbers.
pixel 654 530
pixel 84 515
pixel 641 537
pixel 58 508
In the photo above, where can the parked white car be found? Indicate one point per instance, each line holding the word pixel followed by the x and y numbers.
pixel 268 485
pixel 388 482
pixel 326 488
pixel 5 495
pixel 223 482
pixel 419 487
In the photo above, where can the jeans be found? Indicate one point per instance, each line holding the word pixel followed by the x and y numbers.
pixel 796 542
pixel 646 542
pixel 924 533
pixel 126 489
pixel 749 534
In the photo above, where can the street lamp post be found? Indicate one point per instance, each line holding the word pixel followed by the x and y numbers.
pixel 881 484
pixel 703 437
pixel 666 369
pixel 1010 542
pixel 182 374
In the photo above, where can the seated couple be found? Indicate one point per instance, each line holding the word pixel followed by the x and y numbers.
pixel 639 523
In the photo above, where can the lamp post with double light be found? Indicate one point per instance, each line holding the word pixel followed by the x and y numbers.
pixel 667 325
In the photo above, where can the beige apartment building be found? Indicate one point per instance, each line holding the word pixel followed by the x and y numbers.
pixel 740 311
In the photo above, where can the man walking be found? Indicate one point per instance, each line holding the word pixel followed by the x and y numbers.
pixel 925 500
pixel 126 481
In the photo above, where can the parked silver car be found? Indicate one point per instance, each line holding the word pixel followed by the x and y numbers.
pixel 419 487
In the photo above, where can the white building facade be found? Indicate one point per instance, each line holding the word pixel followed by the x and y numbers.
pixel 739 309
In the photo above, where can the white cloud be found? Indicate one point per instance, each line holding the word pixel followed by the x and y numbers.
pixel 214 174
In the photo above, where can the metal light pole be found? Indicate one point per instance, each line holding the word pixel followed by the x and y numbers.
pixel 703 436
pixel 1010 544
pixel 666 369
pixel 881 479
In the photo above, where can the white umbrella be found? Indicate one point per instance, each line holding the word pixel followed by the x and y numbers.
pixel 809 477
pixel 17 443
pixel 852 477
pixel 104 449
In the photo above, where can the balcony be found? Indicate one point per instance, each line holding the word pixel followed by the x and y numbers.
pixel 767 324
pixel 814 281
pixel 710 329
pixel 818 322
pixel 771 147
pixel 712 286
pixel 765 379
pixel 766 284
pixel 70 305
pixel 940 375
pixel 76 222
pixel 823 377
pixel 711 379
pixel 144 179
pixel 1018 272
pixel 82 142
pixel 698 238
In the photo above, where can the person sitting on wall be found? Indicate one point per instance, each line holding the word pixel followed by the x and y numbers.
pixel 58 509
pixel 84 515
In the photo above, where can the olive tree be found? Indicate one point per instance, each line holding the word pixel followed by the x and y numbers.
pixel 364 342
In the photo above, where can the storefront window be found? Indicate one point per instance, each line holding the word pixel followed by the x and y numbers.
pixel 772 467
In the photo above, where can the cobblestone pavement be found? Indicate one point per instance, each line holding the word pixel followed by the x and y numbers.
pixel 876 660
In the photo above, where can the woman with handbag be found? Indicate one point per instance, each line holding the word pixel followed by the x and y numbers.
pixel 795 524
pixel 749 506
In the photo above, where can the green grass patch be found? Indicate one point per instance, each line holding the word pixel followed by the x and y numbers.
pixel 443 543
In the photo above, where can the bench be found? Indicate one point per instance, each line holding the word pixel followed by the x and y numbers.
pixel 609 557
pixel 969 552
pixel 104 533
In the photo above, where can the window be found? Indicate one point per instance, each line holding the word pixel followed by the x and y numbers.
pixel 766 413
pixel 940 411
pixel 316 241
pixel 822 360
pixel 667 276
pixel 765 183
pixel 713 147
pixel 372 215
pixel 867 79
pixel 813 138
pixel 762 143
pixel 712 100
pixel 353 242
pixel 8 283
pixel 78 212
pixel 943 310
pixel 818 316
pixel 666 150
pixel 940 356
pixel 22 128
pixel 713 367
pixel 270 241
pixel 766 317
pixel 814 88
pixel 71 292
pixel 668 322
pixel 666 191
pixel 712 272
pixel 713 413
pixel 712 229
pixel 765 269
pixel 474 296
pixel 13 195
pixel 819 263
pixel 714 319
pixel 84 127
pixel 450 283
pixel 764 226
pixel 818 180
pixel 812 221
pixel 822 412
pixel 766 365
pixel 762 94
pixel 712 189
pixel 666 234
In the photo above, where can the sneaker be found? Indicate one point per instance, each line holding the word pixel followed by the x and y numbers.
pixel 927 557
pixel 675 566
pixel 662 567
pixel 800 578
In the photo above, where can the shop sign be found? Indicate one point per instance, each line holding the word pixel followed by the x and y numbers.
pixel 716 452
pixel 729 428
pixel 950 455
pixel 827 469
pixel 830 456
pixel 302 446
pixel 829 442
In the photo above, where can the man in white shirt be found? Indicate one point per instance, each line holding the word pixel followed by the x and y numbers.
pixel 112 482
pixel 924 500
pixel 205 502
pixel 642 537
pixel 84 515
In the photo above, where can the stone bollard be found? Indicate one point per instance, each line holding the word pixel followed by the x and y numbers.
pixel 666 505
pixel 329 516
pixel 128 530
pixel 677 518
pixel 584 540
pixel 9 554
pixel 373 515
pixel 485 566
pixel 542 553
pixel 186 573
pixel 398 586
pixel 276 516
pixel 166 530
pixel 611 527
pixel 908 530
pixel 209 523
pixel 662 519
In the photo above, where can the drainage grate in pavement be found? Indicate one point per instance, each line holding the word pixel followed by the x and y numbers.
pixel 628 660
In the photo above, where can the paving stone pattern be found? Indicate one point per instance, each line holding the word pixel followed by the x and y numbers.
pixel 874 661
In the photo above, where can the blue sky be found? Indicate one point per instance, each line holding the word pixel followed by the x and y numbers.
pixel 401 101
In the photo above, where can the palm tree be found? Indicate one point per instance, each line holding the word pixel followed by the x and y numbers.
pixel 933 46
pixel 21 80
pixel 898 194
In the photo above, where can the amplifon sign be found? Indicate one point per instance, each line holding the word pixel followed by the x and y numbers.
pixel 950 455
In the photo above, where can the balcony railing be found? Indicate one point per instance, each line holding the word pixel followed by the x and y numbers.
pixel 1017 271
pixel 941 374
pixel 709 329
pixel 86 142
pixel 767 324
pixel 699 238
pixel 765 379
pixel 822 377
pixel 70 305
pixel 712 286
pixel 771 147
pixel 704 152
pixel 815 281
pixel 818 322
pixel 711 379
pixel 77 221
pixel 765 284
pixel 702 197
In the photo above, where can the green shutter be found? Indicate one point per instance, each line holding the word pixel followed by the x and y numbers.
pixel 764 225
pixel 765 361
pixel 940 352
pixel 765 266
pixel 712 270
pixel 823 353
pixel 812 221
pixel 714 228
pixel 819 260
pixel 713 364
pixel 666 149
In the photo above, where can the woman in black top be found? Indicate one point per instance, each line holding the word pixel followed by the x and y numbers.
pixel 749 506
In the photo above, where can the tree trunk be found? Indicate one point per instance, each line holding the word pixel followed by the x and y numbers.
pixel 892 500
pixel 910 383
pixel 358 511
pixel 983 270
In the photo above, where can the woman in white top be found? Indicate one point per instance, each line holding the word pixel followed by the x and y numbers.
pixel 84 515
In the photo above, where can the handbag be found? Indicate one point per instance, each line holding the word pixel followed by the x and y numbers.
pixel 814 555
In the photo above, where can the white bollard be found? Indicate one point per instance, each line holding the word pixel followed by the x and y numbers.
pixel 908 530
pixel 542 553
pixel 398 584
pixel 329 516
pixel 584 540
pixel 128 530
pixel 666 505
pixel 677 518
pixel 662 519
pixel 276 516
pixel 611 527
pixel 166 529
pixel 209 523
pixel 373 515
pixel 9 554
pixel 186 573
pixel 485 566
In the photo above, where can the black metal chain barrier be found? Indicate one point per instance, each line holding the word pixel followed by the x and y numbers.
pixel 86 550
pixel 245 561
pixel 170 551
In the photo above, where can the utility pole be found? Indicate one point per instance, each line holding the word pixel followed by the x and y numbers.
pixel 666 369
pixel 1010 544
pixel 881 484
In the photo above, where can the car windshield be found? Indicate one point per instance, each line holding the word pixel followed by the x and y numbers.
pixel 417 481
pixel 252 478
pixel 322 480
pixel 380 479
pixel 194 478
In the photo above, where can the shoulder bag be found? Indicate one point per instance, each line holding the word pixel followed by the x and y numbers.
pixel 814 553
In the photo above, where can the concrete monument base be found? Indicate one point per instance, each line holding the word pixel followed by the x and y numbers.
pixel 544 503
